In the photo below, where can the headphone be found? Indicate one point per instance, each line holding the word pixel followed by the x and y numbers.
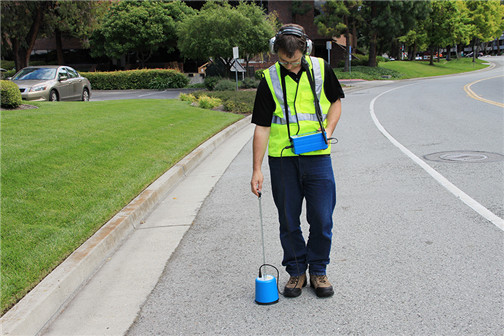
pixel 290 30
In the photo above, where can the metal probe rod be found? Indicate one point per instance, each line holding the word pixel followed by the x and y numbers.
pixel 262 233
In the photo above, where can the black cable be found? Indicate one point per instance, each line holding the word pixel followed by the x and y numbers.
pixel 278 276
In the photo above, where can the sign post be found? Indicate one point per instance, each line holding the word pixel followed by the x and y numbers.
pixel 329 47
pixel 350 59
pixel 236 56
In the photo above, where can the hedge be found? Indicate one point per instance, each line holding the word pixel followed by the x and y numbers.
pixel 158 79
pixel 11 96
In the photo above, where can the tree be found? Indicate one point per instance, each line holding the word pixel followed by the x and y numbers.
pixel 261 27
pixel 448 24
pixel 339 17
pixel 218 27
pixel 140 28
pixel 299 7
pixel 487 20
pixel 459 25
pixel 70 18
pixel 385 21
pixel 21 23
pixel 25 21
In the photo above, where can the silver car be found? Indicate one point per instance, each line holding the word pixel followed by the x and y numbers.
pixel 52 82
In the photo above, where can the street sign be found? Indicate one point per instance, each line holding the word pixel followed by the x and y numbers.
pixel 328 45
pixel 236 56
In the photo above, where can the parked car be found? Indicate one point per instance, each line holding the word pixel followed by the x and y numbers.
pixel 480 54
pixel 52 82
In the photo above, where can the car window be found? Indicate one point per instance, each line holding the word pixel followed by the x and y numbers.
pixel 35 73
pixel 72 73
pixel 62 72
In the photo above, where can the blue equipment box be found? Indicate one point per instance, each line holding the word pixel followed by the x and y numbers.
pixel 308 142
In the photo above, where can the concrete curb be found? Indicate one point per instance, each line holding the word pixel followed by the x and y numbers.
pixel 47 299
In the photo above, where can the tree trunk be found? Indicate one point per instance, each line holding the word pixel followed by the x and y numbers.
pixel 22 54
pixel 348 45
pixel 474 50
pixel 372 51
pixel 373 39
pixel 431 62
pixel 354 35
pixel 59 47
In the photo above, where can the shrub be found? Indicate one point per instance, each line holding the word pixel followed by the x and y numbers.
pixel 225 85
pixel 11 96
pixel 360 60
pixel 209 102
pixel 210 82
pixel 7 65
pixel 250 83
pixel 7 74
pixel 137 79
pixel 367 73
pixel 259 74
pixel 237 107
pixel 158 83
pixel 233 101
pixel 187 97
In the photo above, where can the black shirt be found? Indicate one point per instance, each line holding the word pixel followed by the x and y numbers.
pixel 264 104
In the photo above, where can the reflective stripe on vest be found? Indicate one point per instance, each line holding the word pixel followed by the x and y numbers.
pixel 277 87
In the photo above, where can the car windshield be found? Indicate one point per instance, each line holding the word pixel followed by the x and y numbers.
pixel 35 73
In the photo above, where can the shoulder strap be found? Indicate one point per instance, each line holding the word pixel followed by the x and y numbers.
pixel 315 97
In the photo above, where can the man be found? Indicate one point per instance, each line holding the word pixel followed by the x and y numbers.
pixel 295 80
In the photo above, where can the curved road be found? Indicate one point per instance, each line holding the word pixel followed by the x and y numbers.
pixel 409 256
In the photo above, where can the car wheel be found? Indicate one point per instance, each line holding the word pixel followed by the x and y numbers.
pixel 85 95
pixel 53 95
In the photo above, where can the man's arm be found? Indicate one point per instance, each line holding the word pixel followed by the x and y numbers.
pixel 259 145
pixel 333 116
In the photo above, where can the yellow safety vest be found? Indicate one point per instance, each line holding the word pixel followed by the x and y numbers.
pixel 301 107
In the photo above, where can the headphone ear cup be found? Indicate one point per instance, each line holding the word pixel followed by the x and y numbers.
pixel 309 46
pixel 272 45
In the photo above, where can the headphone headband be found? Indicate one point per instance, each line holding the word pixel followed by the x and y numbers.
pixel 292 30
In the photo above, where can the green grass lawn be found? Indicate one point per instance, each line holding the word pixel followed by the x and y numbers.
pixel 411 69
pixel 415 69
pixel 68 167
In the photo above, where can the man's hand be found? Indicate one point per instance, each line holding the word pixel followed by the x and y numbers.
pixel 256 182
pixel 260 143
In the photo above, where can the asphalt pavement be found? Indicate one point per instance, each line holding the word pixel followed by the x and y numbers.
pixel 409 257
pixel 100 95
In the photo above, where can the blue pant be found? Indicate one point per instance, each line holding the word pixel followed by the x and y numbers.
pixel 294 179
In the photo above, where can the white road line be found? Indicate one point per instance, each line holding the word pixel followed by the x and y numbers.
pixel 150 94
pixel 476 206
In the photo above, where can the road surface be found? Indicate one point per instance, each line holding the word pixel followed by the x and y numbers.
pixel 410 254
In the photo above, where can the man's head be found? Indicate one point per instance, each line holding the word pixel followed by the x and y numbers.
pixel 289 39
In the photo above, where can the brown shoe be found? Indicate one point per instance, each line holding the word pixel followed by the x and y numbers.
pixel 323 287
pixel 294 286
